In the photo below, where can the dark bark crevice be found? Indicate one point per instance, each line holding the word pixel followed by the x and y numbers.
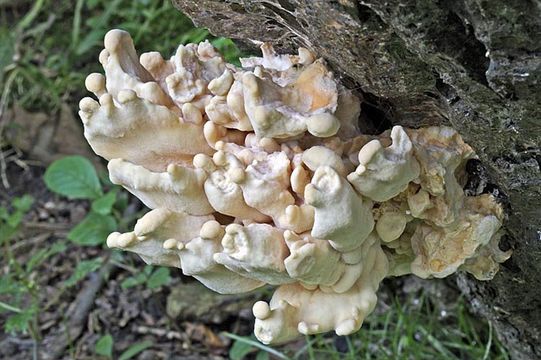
pixel 375 116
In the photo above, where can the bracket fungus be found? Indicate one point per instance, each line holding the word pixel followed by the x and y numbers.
pixel 259 175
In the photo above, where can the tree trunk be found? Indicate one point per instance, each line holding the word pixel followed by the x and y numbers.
pixel 471 64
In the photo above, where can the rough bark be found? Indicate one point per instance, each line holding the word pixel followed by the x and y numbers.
pixel 472 64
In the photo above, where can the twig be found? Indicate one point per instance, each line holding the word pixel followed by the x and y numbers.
pixel 35 349
pixel 160 332
pixel 83 303
pixel 79 313
pixel 20 342
pixel 30 241
pixel 3 168
pixel 46 226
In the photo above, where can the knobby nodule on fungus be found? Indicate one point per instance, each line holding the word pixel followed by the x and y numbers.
pixel 259 175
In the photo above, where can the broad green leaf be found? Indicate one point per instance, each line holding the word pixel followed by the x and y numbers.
pixel 74 177
pixel 262 355
pixel 148 269
pixel 239 350
pixel 6 232
pixel 104 346
pixel 158 278
pixel 122 201
pixel 194 35
pixel 133 281
pixel 105 181
pixel 22 205
pixel 4 214
pixel 83 268
pixel 135 349
pixel 15 219
pixel 93 230
pixel 228 49
pixel 91 4
pixel 104 204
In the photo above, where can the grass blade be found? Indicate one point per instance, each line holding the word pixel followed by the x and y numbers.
pixel 256 344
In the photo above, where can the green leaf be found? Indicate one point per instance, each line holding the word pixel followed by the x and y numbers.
pixel 135 349
pixel 23 203
pixel 15 219
pixel 239 350
pixel 6 232
pixel 104 204
pixel 133 281
pixel 20 321
pixel 74 177
pixel 83 268
pixel 7 49
pixel 93 230
pixel 147 270
pixel 228 49
pixel 159 277
pixel 105 181
pixel 122 201
pixel 262 355
pixel 40 256
pixel 194 35
pixel 4 214
pixel 91 4
pixel 104 346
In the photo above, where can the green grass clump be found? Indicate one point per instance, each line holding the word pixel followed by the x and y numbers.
pixel 47 47
pixel 415 329
pixel 411 328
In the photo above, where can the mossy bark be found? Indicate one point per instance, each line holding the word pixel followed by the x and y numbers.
pixel 471 64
